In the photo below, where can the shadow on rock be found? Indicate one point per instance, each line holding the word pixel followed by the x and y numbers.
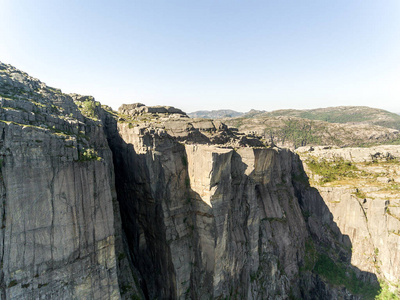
pixel 327 264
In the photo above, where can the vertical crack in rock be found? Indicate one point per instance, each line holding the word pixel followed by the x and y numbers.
pixel 2 229
pixel 52 200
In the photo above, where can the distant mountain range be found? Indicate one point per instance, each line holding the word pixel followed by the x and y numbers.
pixel 215 114
pixel 339 126
pixel 339 114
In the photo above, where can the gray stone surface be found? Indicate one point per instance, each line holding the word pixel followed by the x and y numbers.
pixel 57 234
pixel 366 207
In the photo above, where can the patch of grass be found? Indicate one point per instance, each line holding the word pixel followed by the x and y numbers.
pixel 332 170
pixel 386 294
pixel 338 274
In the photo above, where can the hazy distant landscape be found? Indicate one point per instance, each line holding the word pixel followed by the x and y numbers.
pixel 336 126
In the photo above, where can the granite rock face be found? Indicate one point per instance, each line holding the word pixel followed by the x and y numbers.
pixel 57 234
pixel 205 221
pixel 150 204
pixel 208 215
pixel 364 203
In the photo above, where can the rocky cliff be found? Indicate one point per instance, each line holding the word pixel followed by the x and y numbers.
pixel 360 186
pixel 56 184
pixel 146 203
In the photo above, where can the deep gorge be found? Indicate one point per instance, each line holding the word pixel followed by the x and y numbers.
pixel 149 204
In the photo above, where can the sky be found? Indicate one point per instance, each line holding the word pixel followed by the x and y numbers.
pixel 210 54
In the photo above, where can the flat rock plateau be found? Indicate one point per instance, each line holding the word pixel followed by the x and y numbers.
pixel 147 203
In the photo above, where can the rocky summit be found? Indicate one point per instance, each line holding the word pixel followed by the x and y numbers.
pixel 147 203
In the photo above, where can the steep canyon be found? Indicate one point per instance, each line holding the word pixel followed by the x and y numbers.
pixel 146 203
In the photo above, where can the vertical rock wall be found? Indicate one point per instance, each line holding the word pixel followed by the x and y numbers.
pixel 365 206
pixel 204 221
pixel 57 236
pixel 57 220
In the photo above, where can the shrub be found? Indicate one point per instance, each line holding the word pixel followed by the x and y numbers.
pixel 88 154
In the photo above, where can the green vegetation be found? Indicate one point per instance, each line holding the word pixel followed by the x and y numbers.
pixel 299 132
pixel 386 294
pixel 338 274
pixel 343 115
pixel 321 126
pixel 88 155
pixel 332 170
pixel 88 108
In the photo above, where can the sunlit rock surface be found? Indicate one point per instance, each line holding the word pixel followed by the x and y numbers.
pixel 147 203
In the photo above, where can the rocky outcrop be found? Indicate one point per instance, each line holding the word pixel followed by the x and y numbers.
pixel 57 234
pixel 139 109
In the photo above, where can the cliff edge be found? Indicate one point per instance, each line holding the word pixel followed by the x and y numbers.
pixel 147 203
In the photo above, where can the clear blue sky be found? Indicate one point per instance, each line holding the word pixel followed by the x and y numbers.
pixel 210 54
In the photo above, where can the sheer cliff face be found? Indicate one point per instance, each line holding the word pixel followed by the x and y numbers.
pixel 205 221
pixel 364 203
pixel 57 224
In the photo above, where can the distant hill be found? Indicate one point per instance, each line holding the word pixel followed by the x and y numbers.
pixel 215 114
pixel 339 114
pixel 340 126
